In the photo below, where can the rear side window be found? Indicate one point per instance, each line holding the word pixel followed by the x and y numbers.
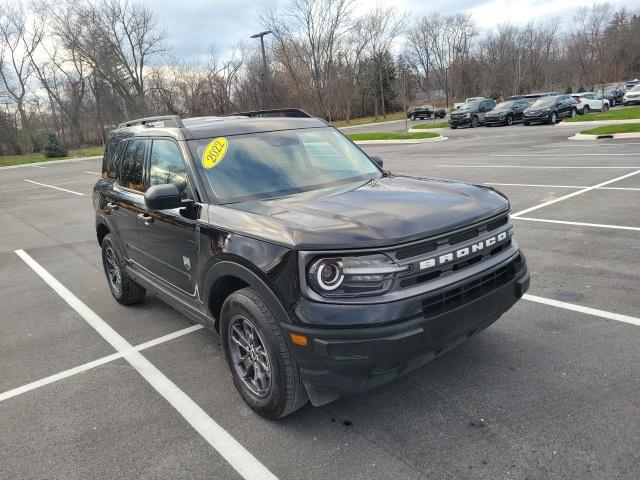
pixel 167 166
pixel 109 161
pixel 131 165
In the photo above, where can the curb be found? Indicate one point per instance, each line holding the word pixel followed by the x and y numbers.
pixel 420 130
pixel 599 122
pixel 49 162
pixel 401 142
pixel 584 136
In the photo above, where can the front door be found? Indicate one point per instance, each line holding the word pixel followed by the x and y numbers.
pixel 169 238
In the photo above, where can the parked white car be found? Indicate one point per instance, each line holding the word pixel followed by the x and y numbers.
pixel 588 102
pixel 632 96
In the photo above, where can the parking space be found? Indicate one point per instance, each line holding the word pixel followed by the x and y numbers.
pixel 549 391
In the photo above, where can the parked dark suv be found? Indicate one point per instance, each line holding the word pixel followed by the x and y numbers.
pixel 550 109
pixel 471 113
pixel 506 113
pixel 425 111
pixel 324 274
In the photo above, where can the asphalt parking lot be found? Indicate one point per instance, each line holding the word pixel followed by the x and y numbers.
pixel 550 391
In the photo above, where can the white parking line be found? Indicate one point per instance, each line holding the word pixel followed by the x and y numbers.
pixel 587 310
pixel 94 173
pixel 573 194
pixel 543 167
pixel 575 187
pixel 556 155
pixel 54 187
pixel 227 446
pixel 95 363
pixel 580 224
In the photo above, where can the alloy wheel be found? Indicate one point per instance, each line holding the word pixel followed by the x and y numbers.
pixel 114 274
pixel 249 356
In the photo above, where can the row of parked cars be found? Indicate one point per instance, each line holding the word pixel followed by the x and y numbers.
pixel 546 107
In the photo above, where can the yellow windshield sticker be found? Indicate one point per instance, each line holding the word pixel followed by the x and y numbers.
pixel 215 152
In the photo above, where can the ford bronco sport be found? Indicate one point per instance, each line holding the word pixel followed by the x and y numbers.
pixel 323 274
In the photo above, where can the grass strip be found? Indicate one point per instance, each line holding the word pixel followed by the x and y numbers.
pixel 611 129
pixel 39 157
pixel 391 136
pixel 626 113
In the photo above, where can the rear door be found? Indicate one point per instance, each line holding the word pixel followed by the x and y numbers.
pixel 169 238
pixel 127 200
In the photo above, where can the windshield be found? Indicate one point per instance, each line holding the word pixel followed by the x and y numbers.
pixel 275 164
pixel 636 88
pixel 470 106
pixel 504 105
pixel 545 102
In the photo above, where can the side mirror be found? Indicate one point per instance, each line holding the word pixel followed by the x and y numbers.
pixel 163 197
pixel 377 160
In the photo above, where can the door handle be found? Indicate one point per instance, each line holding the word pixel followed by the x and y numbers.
pixel 113 206
pixel 148 219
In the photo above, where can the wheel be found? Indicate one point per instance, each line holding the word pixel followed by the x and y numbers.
pixel 613 102
pixel 605 108
pixel 123 288
pixel 453 127
pixel 474 122
pixel 574 112
pixel 554 118
pixel 263 370
pixel 585 110
pixel 509 121
pixel 526 124
pixel 412 117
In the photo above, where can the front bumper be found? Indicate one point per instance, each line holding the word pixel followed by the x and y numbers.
pixel 355 360
pixel 459 122
pixel 540 117
pixel 495 120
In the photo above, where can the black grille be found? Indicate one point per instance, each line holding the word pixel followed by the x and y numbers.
pixel 467 292
pixel 420 249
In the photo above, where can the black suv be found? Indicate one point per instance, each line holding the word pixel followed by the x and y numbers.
pixel 324 274
pixel 506 113
pixel 550 109
pixel 471 113
pixel 425 111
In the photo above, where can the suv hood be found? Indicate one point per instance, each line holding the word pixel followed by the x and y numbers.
pixel 387 211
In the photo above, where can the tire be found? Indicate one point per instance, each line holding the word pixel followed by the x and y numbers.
pixel 474 122
pixel 412 117
pixel 243 312
pixel 453 127
pixel 123 288
pixel 605 108
pixel 526 124
pixel 554 118
pixel 585 110
pixel 574 112
pixel 509 121
pixel 613 102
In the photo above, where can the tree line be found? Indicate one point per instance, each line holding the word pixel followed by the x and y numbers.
pixel 77 68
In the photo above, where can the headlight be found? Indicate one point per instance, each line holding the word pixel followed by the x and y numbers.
pixel 353 276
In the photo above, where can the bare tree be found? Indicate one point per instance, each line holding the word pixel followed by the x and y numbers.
pixel 18 41
pixel 308 33
pixel 384 24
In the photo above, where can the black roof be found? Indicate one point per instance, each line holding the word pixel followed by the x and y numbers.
pixel 209 127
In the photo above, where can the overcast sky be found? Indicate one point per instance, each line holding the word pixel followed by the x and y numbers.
pixel 194 25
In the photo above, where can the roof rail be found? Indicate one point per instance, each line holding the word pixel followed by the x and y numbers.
pixel 147 120
pixel 286 112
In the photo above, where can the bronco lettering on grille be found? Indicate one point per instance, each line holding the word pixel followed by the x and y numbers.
pixel 459 253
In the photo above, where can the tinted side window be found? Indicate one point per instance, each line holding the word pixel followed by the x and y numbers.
pixel 167 166
pixel 131 165
pixel 109 161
